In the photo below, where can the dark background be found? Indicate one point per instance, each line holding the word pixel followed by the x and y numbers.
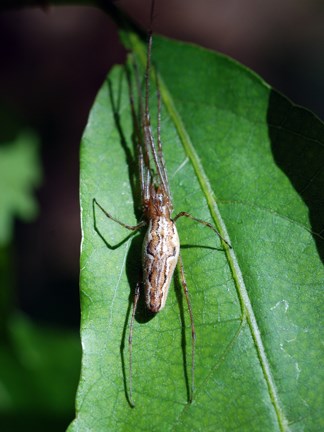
pixel 53 61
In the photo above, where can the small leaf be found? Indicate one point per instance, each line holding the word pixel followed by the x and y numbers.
pixel 244 158
pixel 19 175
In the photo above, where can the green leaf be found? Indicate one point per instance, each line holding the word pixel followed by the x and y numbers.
pixel 19 174
pixel 244 158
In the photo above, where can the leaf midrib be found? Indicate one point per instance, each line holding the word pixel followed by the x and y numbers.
pixel 246 306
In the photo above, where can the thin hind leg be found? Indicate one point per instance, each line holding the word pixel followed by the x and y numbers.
pixel 193 331
pixel 130 344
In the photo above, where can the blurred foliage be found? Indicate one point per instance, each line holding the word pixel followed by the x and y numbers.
pixel 39 371
pixel 20 173
pixel 39 366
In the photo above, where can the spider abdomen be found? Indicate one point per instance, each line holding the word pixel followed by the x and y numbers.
pixel 160 256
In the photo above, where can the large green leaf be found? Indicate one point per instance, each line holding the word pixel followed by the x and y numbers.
pixel 246 159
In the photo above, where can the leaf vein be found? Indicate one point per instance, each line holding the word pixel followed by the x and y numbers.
pixel 246 305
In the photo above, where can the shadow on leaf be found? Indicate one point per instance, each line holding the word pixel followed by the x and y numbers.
pixel 296 138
